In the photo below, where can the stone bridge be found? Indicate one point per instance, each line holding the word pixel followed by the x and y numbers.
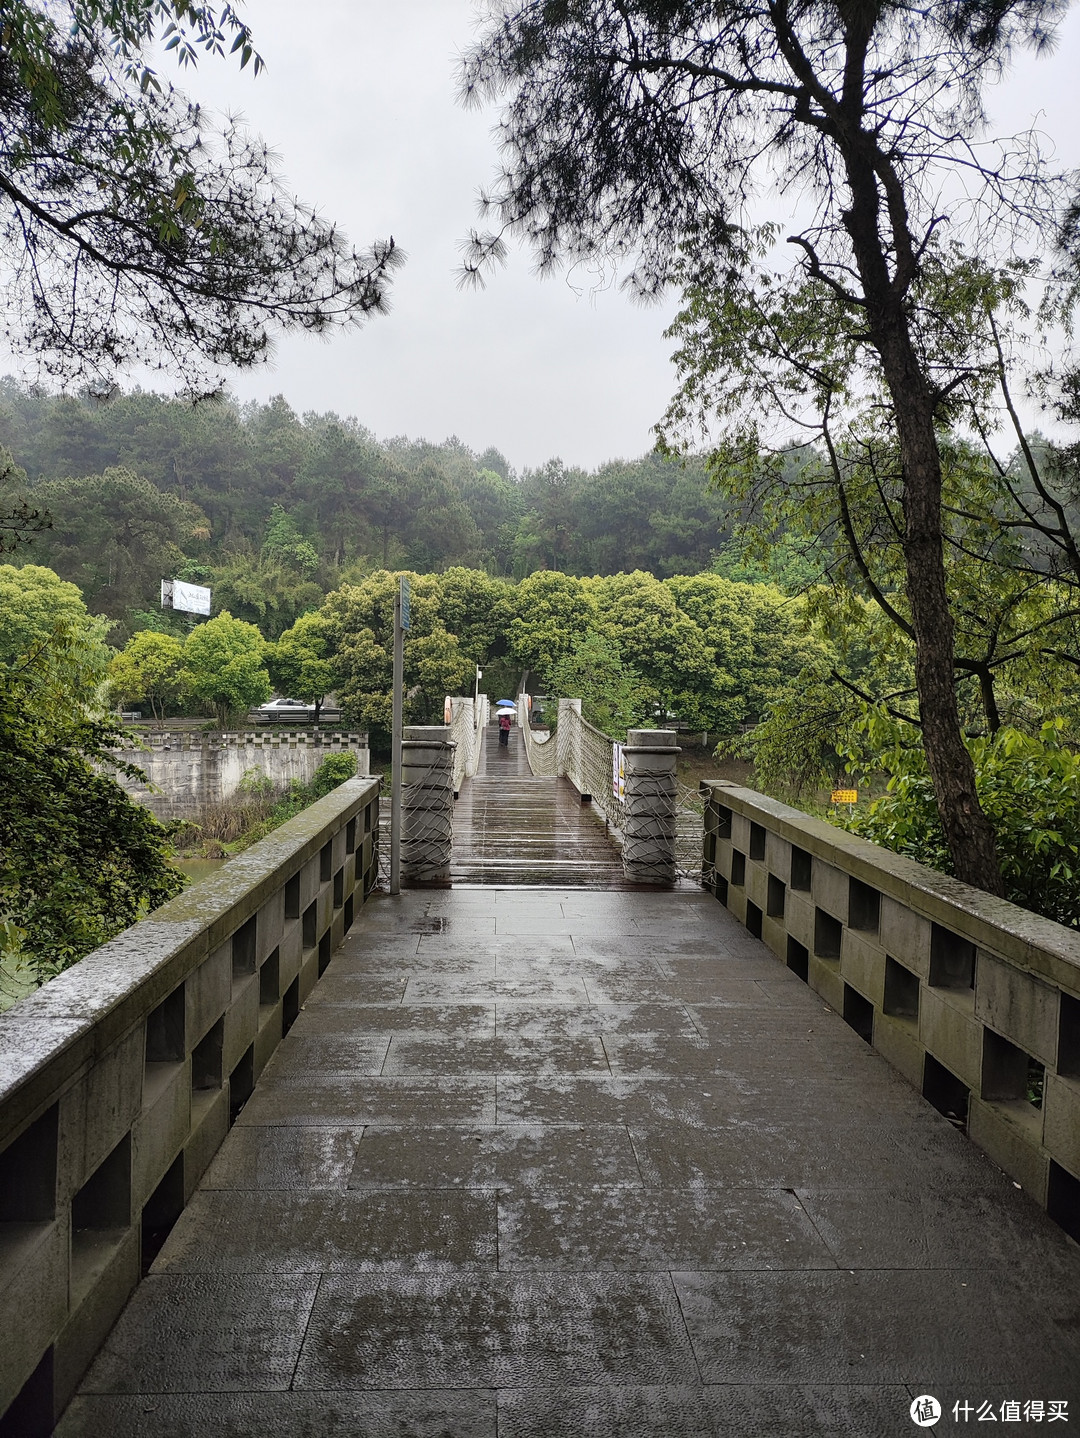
pixel 548 1151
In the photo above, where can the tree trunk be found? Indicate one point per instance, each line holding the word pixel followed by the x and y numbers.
pixel 968 833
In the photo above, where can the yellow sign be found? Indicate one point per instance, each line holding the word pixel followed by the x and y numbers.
pixel 845 796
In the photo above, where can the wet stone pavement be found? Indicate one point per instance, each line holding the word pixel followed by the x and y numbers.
pixel 552 1163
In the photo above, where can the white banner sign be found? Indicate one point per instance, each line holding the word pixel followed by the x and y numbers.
pixel 618 772
pixel 190 598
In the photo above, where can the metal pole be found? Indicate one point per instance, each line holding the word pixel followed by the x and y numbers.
pixel 395 781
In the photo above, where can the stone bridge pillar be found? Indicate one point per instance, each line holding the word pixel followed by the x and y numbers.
pixel 651 806
pixel 427 804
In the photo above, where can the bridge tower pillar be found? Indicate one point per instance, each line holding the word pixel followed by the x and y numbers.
pixel 427 804
pixel 651 756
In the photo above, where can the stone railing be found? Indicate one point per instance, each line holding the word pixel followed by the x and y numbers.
pixel 974 1000
pixel 119 1079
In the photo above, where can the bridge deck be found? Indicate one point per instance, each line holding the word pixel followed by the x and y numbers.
pixel 511 827
pixel 537 1164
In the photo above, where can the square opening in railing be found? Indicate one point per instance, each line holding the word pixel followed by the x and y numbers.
pixel 310 926
pixel 801 869
pixel 1063 1199
pixel 324 953
pixel 269 979
pixel 777 893
pixel 28 1173
pixel 243 949
pixel 339 888
pixel 798 959
pixel 952 960
pixel 350 837
pixel 1009 1074
pixel 738 868
pixel 32 1412
pixel 165 1039
pixel 828 935
pixel 1068 1055
pixel 292 897
pixel 948 1094
pixel 160 1212
pixel 859 1013
pixel 241 1083
pixel 326 862
pixel 290 1006
pixel 753 918
pixel 864 907
pixel 723 822
pixel 901 991
pixel 103 1204
pixel 206 1059
pixel 757 842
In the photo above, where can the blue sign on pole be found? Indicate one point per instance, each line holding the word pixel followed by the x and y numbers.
pixel 405 617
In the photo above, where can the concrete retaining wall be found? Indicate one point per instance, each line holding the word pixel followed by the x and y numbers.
pixel 974 1000
pixel 192 771
pixel 119 1079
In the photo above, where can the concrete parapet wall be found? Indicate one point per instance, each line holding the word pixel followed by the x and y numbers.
pixel 975 1000
pixel 188 772
pixel 119 1079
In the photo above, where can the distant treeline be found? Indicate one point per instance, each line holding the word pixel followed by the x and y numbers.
pixel 274 509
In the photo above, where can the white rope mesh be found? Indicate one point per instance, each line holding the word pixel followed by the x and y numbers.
pixel 467 726
pixel 427 816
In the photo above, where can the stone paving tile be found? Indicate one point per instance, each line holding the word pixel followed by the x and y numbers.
pixel 204 1333
pixel 382 1020
pixel 960 1326
pixel 861 1154
pixel 581 1098
pixel 499 1330
pixel 430 1414
pixel 533 1158
pixel 272 1232
pixel 339 986
pixel 474 962
pixel 797 1411
pixel 335 1100
pixel 294 1158
pixel 511 1054
pixel 341 1053
pixel 958 1227
pixel 537 1020
pixel 630 1412
pixel 581 1231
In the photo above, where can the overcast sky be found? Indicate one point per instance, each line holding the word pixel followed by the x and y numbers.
pixel 358 98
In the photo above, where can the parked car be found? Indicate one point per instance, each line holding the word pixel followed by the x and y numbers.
pixel 294 711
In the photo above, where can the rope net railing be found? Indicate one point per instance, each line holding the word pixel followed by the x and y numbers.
pixel 541 750
pixel 427 810
pixel 469 719
pixel 673 811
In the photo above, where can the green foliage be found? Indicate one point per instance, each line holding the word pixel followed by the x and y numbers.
pixel 225 666
pixel 612 694
pixel 303 664
pixel 1028 785
pixel 79 860
pixel 43 616
pixel 333 770
pixel 148 671
pixel 115 535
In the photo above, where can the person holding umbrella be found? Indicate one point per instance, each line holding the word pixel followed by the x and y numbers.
pixel 506 718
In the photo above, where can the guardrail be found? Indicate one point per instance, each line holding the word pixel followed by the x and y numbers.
pixel 120 1077
pixel 973 999
pixel 467 724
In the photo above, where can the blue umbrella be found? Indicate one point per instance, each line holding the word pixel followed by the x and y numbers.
pixel 505 701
